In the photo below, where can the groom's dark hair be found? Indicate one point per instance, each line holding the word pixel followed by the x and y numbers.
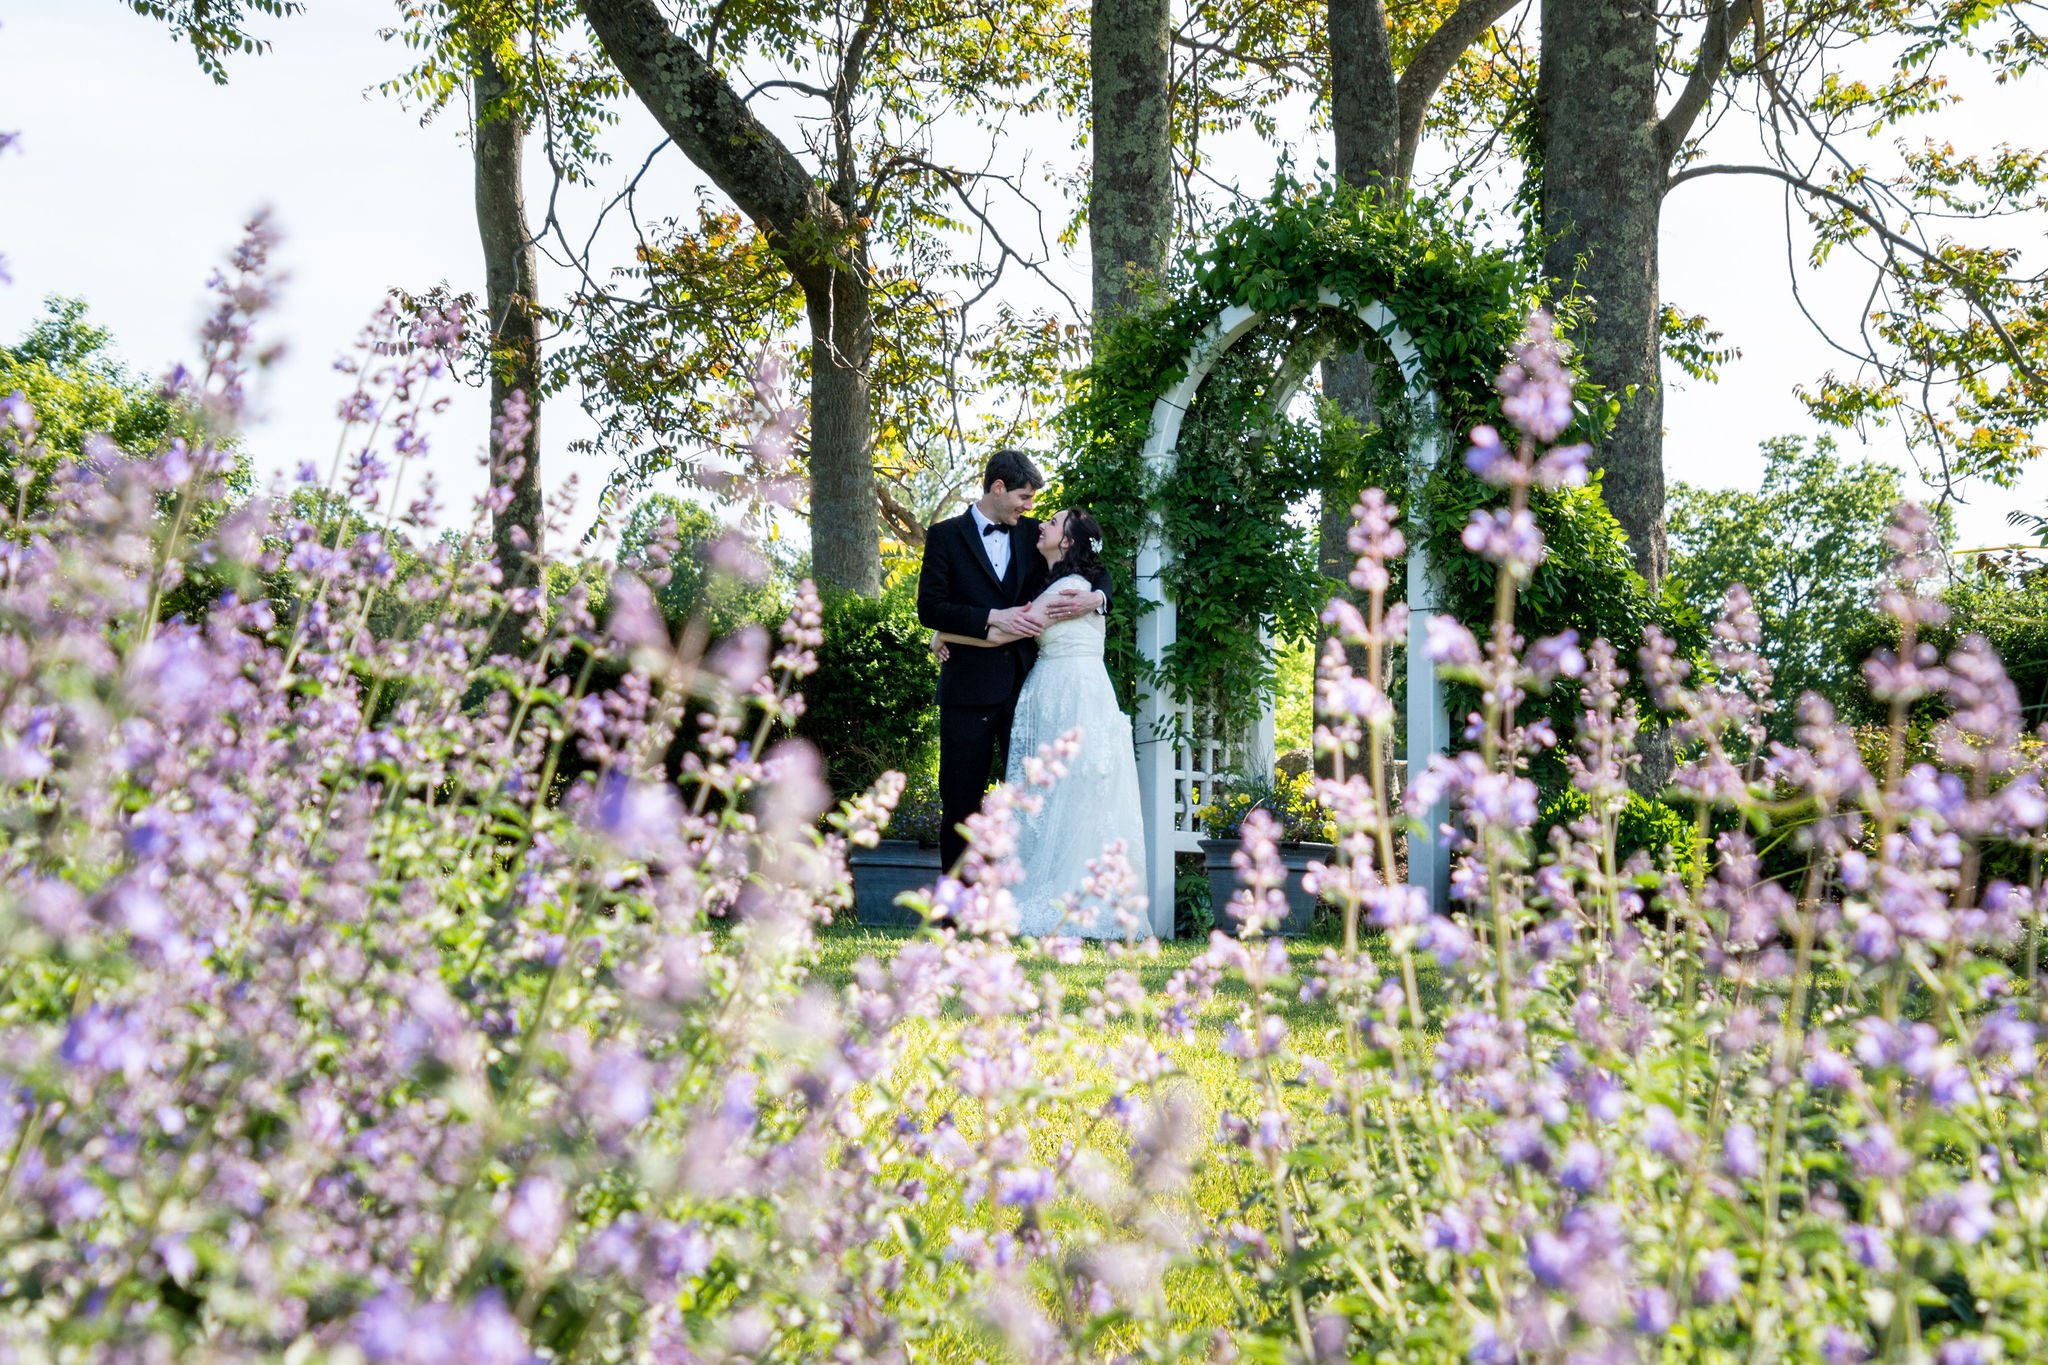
pixel 1013 469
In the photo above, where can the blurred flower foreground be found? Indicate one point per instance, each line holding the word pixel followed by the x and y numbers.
pixel 368 998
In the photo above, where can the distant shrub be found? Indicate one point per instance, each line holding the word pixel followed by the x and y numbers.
pixel 1645 826
pixel 872 705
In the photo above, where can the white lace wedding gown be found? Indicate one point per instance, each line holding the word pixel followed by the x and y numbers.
pixel 1095 804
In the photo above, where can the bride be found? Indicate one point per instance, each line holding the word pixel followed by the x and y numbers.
pixel 1096 804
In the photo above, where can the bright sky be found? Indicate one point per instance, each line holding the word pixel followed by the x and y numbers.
pixel 134 173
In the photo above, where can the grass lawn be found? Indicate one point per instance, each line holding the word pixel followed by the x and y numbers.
pixel 1198 1295
pixel 842 945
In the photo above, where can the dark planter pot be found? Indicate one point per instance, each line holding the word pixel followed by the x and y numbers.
pixel 1301 906
pixel 886 871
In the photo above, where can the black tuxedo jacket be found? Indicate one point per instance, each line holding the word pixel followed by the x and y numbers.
pixel 956 591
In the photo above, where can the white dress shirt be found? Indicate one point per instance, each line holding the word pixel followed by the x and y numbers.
pixel 997 546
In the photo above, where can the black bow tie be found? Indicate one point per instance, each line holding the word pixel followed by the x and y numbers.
pixel 993 530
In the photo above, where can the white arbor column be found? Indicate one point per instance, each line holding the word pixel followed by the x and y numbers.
pixel 1429 724
pixel 1154 734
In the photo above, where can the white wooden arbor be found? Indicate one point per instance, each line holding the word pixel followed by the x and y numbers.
pixel 1174 758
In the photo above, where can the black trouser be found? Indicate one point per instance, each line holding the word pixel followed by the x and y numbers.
pixel 972 739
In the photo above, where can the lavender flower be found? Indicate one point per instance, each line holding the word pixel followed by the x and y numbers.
pixel 1717 1280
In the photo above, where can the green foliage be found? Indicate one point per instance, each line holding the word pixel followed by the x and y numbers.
pixel 1644 826
pixel 667 349
pixel 1694 344
pixel 1241 561
pixel 1294 720
pixel 215 28
pixel 920 816
pixel 1194 909
pixel 1462 308
pixel 1289 797
pixel 66 367
pixel 552 80
pixel 1810 547
pixel 1951 342
pixel 871 706
pixel 693 586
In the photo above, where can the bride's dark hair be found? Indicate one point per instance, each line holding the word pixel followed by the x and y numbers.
pixel 1084 547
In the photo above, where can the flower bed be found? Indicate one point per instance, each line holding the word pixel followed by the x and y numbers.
pixel 330 1027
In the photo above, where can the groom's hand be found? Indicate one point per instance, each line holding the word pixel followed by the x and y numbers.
pixel 1015 621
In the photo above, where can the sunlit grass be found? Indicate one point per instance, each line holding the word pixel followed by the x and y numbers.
pixel 1198 1294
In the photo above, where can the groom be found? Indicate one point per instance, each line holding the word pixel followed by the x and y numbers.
pixel 981 570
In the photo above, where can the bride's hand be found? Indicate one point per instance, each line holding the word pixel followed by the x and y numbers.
pixel 1062 606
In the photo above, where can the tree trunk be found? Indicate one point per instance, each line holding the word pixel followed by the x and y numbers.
pixel 1365 118
pixel 511 292
pixel 845 551
pixel 1602 188
pixel 1130 188
pixel 1365 104
pixel 816 241
pixel 1365 121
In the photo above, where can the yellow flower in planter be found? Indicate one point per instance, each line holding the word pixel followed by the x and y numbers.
pixel 1290 798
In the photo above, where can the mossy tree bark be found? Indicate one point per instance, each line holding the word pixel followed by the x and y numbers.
pixel 1606 163
pixel 1365 119
pixel 1376 116
pixel 511 294
pixel 1606 158
pixel 1130 186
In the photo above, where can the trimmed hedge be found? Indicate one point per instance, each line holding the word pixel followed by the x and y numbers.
pixel 872 704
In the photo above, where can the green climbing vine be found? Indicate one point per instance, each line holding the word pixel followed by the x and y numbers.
pixel 1235 559
pixel 1243 558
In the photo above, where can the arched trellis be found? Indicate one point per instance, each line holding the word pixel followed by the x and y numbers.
pixel 1172 764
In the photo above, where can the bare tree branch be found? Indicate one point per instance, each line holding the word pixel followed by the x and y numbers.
pixel 690 99
pixel 908 526
pixel 1432 62
pixel 1885 233
pixel 1715 45
pixel 816 92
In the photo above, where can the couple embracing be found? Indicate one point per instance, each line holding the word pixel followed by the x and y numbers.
pixel 1020 607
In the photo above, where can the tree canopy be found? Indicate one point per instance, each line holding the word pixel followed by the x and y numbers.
pixel 66 368
pixel 1810 546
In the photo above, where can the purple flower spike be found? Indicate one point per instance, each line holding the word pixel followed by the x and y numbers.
pixel 1451 1230
pixel 1583 1168
pixel 1654 1310
pixel 1718 1280
pixel 1506 537
pixel 1740 1156
pixel 1840 1346
pixel 1027 1188
pixel 1959 1215
pixel 1536 390
pixel 1490 460
pixel 1563 467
